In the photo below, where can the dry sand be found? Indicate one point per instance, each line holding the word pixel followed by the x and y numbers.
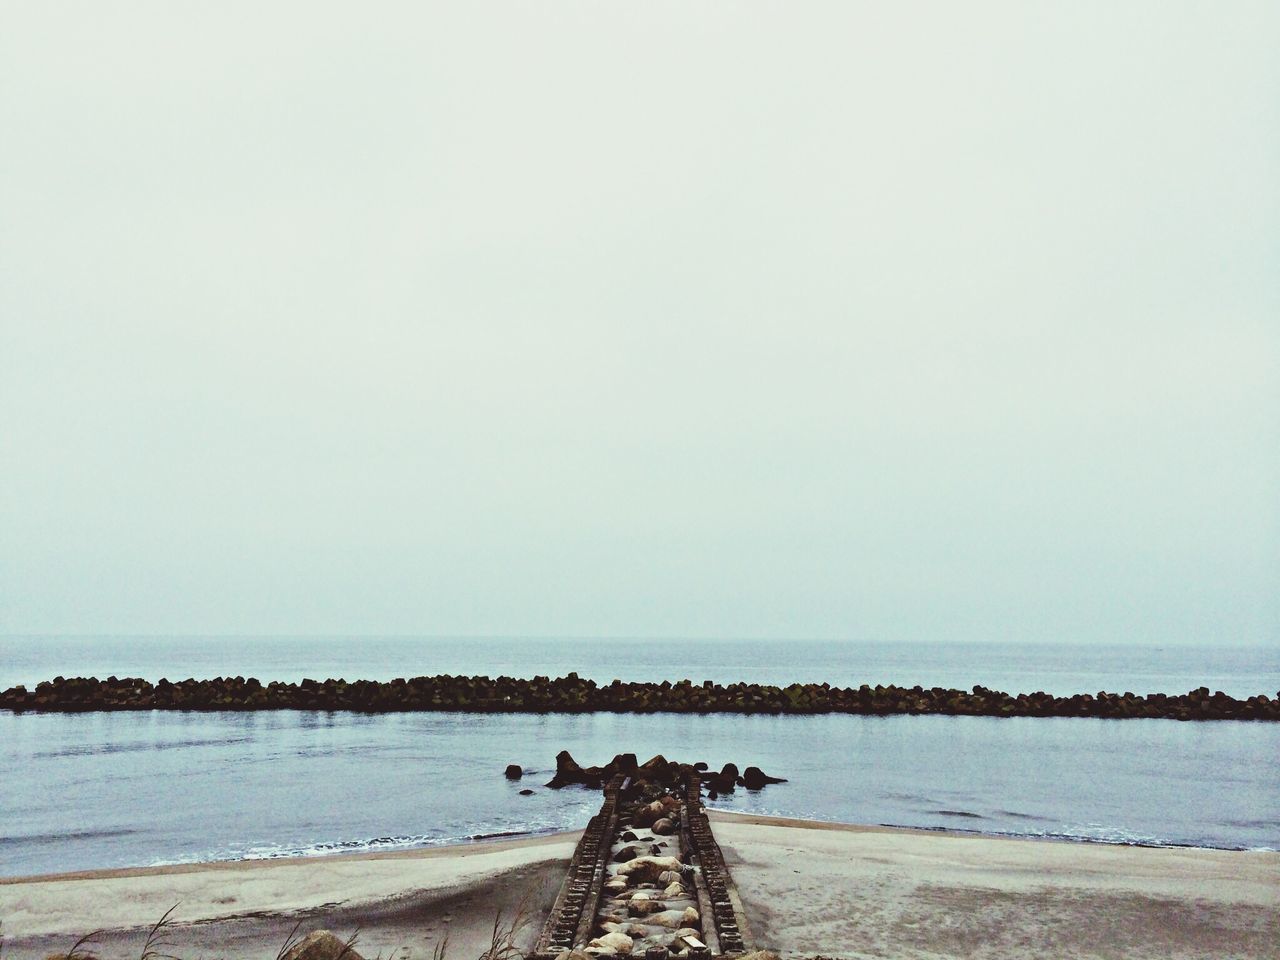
pixel 809 889
pixel 847 891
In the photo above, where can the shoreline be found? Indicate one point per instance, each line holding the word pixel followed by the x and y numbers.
pixel 528 839
pixel 521 839
pixel 810 887
pixel 459 849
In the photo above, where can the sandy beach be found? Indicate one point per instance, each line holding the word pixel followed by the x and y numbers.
pixel 809 888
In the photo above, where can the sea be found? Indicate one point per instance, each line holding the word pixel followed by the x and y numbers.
pixel 102 790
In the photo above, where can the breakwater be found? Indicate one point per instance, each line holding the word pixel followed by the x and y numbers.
pixel 572 694
pixel 647 878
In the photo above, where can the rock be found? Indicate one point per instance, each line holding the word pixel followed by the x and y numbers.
pixel 672 919
pixel 622 763
pixel 753 778
pixel 663 827
pixel 626 853
pixel 725 780
pixel 646 815
pixel 526 792
pixel 615 885
pixel 569 772
pixel 675 890
pixel 655 767
pixel 514 772
pixel 572 955
pixel 670 876
pixel 691 918
pixel 629 835
pixel 613 942
pixel 644 908
pixel 648 869
pixel 321 945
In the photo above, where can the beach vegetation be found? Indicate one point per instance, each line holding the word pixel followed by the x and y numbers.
pixel 503 943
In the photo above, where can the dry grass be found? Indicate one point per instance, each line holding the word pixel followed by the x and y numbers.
pixel 502 942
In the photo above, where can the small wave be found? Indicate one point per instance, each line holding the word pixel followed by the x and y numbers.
pixel 1119 838
pixel 90 750
pixel 959 813
pixel 328 848
pixel 1015 815
pixel 62 837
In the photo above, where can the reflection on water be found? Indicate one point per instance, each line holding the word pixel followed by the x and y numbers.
pixel 113 789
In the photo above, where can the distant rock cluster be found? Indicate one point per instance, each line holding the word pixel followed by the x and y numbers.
pixel 656 770
pixel 571 694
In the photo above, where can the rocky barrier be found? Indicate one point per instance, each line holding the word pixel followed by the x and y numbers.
pixel 654 770
pixel 571 694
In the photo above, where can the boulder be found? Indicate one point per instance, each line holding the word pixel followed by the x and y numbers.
pixel 648 814
pixel 725 780
pixel 321 945
pixel 622 763
pixel 753 778
pixel 526 792
pixel 643 908
pixel 663 827
pixel 612 943
pixel 514 772
pixel 568 771
pixel 648 869
pixel 671 919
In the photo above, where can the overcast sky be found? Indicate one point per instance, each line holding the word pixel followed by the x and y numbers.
pixel 888 321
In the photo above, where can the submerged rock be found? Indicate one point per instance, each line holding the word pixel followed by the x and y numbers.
pixel 753 778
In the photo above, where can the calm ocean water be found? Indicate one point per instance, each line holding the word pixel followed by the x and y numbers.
pixel 101 790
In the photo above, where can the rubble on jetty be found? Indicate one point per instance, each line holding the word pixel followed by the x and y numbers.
pixel 647 878
pixel 572 694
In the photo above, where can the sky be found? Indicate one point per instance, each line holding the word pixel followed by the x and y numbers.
pixel 911 321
